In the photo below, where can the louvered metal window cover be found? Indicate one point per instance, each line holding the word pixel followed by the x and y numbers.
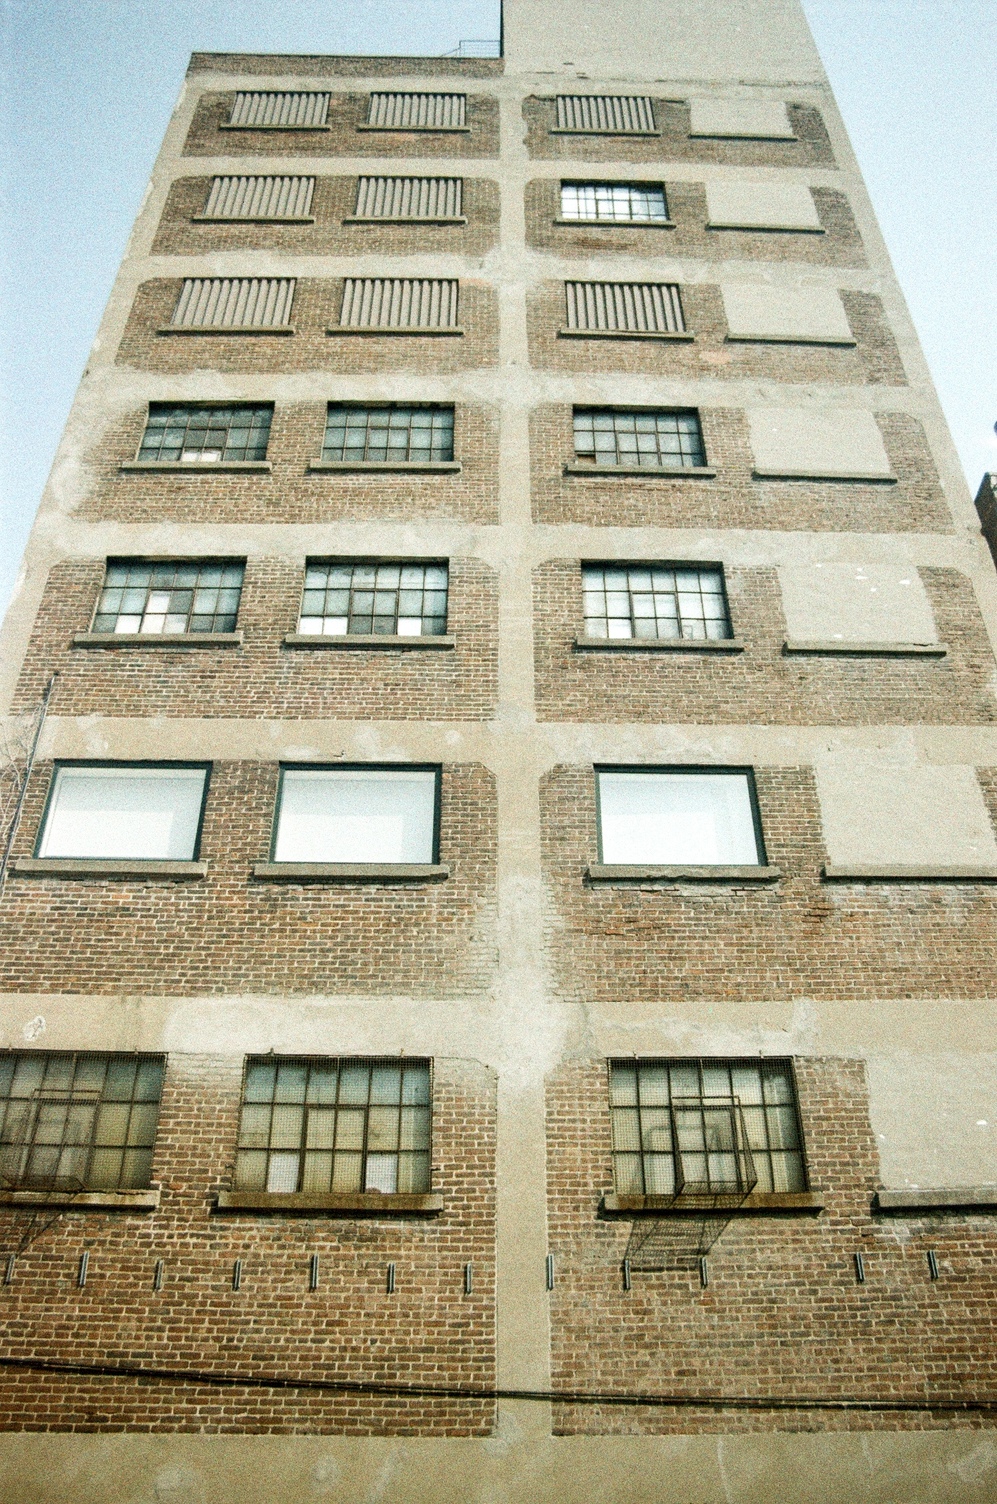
pixel 419 305
pixel 606 114
pixel 255 198
pixel 234 303
pixel 409 198
pixel 417 112
pixel 624 307
pixel 279 111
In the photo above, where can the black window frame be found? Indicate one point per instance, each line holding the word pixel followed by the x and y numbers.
pixel 629 184
pixel 361 767
pixel 686 768
pixel 673 564
pixel 106 762
pixel 389 407
pixel 637 411
pixel 210 406
pixel 352 562
pixel 141 561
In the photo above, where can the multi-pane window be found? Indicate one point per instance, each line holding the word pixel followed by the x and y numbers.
pixel 655 601
pixel 191 434
pixel 395 600
pixel 710 1128
pixel 179 596
pixel 620 203
pixel 334 1126
pixel 366 815
pixel 674 817
pixel 380 435
pixel 124 811
pixel 651 440
pixel 78 1122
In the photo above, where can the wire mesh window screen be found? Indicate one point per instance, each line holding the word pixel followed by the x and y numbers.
pixel 409 198
pixel 259 198
pixel 205 435
pixel 78 1121
pixel 425 112
pixel 234 303
pixel 655 601
pixel 652 440
pixel 624 307
pixel 623 203
pixel 266 109
pixel 399 303
pixel 183 595
pixel 378 435
pixel 612 114
pixel 396 600
pixel 709 1126
pixel 327 1126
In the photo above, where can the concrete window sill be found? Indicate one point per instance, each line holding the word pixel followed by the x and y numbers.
pixel 618 872
pixel 385 467
pixel 409 331
pixel 235 329
pixel 404 219
pixel 252 219
pixel 365 640
pixel 791 339
pixel 105 1201
pixel 417 130
pixel 227 127
pixel 769 229
pixel 645 472
pixel 966 1198
pixel 357 1204
pixel 848 477
pixel 658 645
pixel 740 136
pixel 350 872
pixel 679 336
pixel 64 866
pixel 197 467
pixel 620 224
pixel 157 640
pixel 867 649
pixel 969 872
pixel 563 130
pixel 759 1203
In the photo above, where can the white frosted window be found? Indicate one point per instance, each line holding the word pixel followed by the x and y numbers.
pixel 677 818
pixel 127 812
pixel 356 815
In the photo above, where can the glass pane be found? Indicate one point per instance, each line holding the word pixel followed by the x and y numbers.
pixel 349 1128
pixel 260 1081
pixel 346 1172
pixel 105 1169
pixel 415 1086
pixel 254 1127
pixel 285 1127
pixel 150 813
pixel 356 816
pixel 381 1173
pixel 627 1174
pixel 623 1085
pixel 626 1128
pixel 250 1170
pixel 382 1128
pixel 291 1079
pixel 136 1169
pixel 142 1125
pixel 112 1124
pixel 414 1130
pixel 385 1084
pixel 353 1083
pixel 413 1174
pixel 677 818
pixel 321 1128
pixel 282 1173
pixel 317 1174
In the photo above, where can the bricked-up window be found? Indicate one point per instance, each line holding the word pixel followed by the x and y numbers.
pixel 261 110
pixel 417 112
pixel 129 811
pixel 182 595
pixel 80 1122
pixel 381 435
pixel 374 597
pixel 409 198
pixel 606 114
pixel 679 817
pixel 704 1126
pixel 684 601
pixel 624 307
pixel 358 815
pixel 617 203
pixel 331 1126
pixel 190 434
pixel 651 440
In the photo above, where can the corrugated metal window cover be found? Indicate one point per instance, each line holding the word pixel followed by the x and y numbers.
pixel 624 307
pixel 234 303
pixel 409 304
pixel 260 198
pixel 409 198
pixel 606 114
pixel 280 111
pixel 417 112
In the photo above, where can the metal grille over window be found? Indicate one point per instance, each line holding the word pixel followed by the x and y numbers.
pixel 417 112
pixel 78 1122
pixel 169 597
pixel 275 110
pixel 699 1130
pixel 623 203
pixel 624 307
pixel 409 198
pixel 206 435
pixel 234 303
pixel 329 1126
pixel 407 303
pixel 397 600
pixel 380 435
pixel 259 198
pixel 651 440
pixel 655 601
pixel 610 114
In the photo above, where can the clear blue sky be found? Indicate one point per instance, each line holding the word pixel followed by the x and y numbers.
pixel 87 86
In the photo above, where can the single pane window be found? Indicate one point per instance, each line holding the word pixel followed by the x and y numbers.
pixel 356 815
pixel 677 818
pixel 127 812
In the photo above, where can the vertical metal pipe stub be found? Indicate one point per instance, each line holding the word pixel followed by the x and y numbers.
pixel 81 1272
pixel 704 1272
pixel 391 1279
pixel 468 1278
pixel 313 1272
pixel 626 1274
pixel 932 1264
pixel 860 1268
pixel 157 1277
pixel 237 1274
pixel 550 1271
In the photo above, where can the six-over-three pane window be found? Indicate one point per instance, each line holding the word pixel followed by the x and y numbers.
pixel 358 815
pixel 78 1122
pixel 189 433
pixel 329 1126
pixel 704 1129
pixel 175 596
pixel 383 434
pixel 702 817
pixel 655 601
pixel 648 439
pixel 374 598
pixel 615 203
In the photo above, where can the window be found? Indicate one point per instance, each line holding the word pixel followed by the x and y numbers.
pixel 704 1127
pixel 78 1122
pixel 380 435
pixel 678 817
pixel 259 198
pixel 619 203
pixel 653 441
pixel 624 307
pixel 190 434
pixel 398 600
pixel 379 815
pixel 408 304
pixel 409 198
pixel 655 601
pixel 327 1126
pixel 279 111
pixel 606 114
pixel 176 596
pixel 417 112
pixel 129 811
pixel 234 303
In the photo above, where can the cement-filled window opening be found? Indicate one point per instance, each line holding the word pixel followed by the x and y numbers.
pixel 374 597
pixel 329 1126
pixel 358 815
pixel 178 596
pixel 616 203
pixel 190 433
pixel 682 601
pixel 402 433
pixel 678 817
pixel 664 440
pixel 125 811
